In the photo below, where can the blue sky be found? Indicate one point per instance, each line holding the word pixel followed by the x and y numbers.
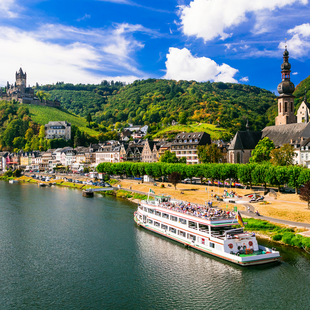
pixel 86 41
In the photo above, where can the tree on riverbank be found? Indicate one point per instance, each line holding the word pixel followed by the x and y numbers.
pixel 305 193
pixel 174 178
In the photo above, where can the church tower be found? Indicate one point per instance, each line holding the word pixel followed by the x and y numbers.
pixel 286 98
pixel 21 80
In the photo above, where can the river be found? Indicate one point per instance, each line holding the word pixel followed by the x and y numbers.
pixel 59 250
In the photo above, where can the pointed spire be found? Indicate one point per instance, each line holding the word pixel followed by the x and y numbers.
pixel 247 125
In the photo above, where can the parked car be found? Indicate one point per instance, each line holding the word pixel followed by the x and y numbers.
pixel 188 181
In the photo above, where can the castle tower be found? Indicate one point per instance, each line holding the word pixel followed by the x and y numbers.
pixel 286 99
pixel 21 79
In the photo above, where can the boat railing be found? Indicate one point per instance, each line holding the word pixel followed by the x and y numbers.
pixel 209 218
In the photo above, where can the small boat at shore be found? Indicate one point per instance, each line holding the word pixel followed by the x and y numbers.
pixel 205 229
pixel 13 181
pixel 42 184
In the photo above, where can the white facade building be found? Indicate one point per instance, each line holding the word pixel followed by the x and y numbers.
pixel 58 130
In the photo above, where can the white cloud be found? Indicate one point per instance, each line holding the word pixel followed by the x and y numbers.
pixel 209 19
pixel 8 8
pixel 294 73
pixel 299 44
pixel 79 56
pixel 244 79
pixel 86 16
pixel 182 65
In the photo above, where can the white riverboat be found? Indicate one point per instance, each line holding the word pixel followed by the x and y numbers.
pixel 205 229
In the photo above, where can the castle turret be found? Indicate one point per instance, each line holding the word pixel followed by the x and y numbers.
pixel 21 79
pixel 286 99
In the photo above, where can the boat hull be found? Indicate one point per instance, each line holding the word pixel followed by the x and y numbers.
pixel 242 261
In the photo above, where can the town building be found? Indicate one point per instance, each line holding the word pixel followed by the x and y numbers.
pixel 134 152
pixel 46 162
pixel 149 152
pixel 186 145
pixel 305 153
pixel 58 130
pixel 3 159
pixel 303 111
pixel 108 153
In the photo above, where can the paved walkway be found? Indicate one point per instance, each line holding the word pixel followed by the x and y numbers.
pixel 274 220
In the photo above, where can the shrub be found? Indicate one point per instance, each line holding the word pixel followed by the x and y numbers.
pixel 287 238
pixel 113 181
pixel 123 194
pixel 139 196
pixel 306 242
pixel 8 173
pixel 17 173
pixel 162 185
pixel 297 241
pixel 277 237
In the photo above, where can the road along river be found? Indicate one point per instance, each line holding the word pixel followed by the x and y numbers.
pixel 59 250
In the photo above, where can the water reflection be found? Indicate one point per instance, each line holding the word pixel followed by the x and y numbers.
pixel 62 251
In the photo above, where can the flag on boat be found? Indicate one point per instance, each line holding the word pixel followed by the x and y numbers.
pixel 240 220
pixel 151 191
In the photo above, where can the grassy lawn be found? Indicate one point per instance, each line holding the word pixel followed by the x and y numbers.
pixel 197 127
pixel 42 115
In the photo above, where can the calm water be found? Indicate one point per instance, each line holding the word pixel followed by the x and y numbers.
pixel 59 250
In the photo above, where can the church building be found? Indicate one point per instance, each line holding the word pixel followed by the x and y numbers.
pixel 288 128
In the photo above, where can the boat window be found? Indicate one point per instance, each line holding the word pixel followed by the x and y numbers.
pixel 163 226
pixel 203 228
pixel 165 216
pixel 173 218
pixel 173 230
pixel 182 233
pixel 191 237
pixel 150 222
pixel 157 213
pixel 145 209
pixel 202 241
pixel 211 245
pixel 182 221
pixel 156 224
pixel 151 211
pixel 192 225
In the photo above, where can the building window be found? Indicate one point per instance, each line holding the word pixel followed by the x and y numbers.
pixel 280 107
pixel 238 158
pixel 291 106
pixel 285 106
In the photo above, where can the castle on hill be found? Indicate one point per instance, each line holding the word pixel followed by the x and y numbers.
pixel 23 94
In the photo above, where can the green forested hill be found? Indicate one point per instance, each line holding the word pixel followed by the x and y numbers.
pixel 82 99
pixel 164 100
pixel 300 92
pixel 161 101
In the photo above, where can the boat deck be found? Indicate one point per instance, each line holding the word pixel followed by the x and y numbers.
pixel 259 252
